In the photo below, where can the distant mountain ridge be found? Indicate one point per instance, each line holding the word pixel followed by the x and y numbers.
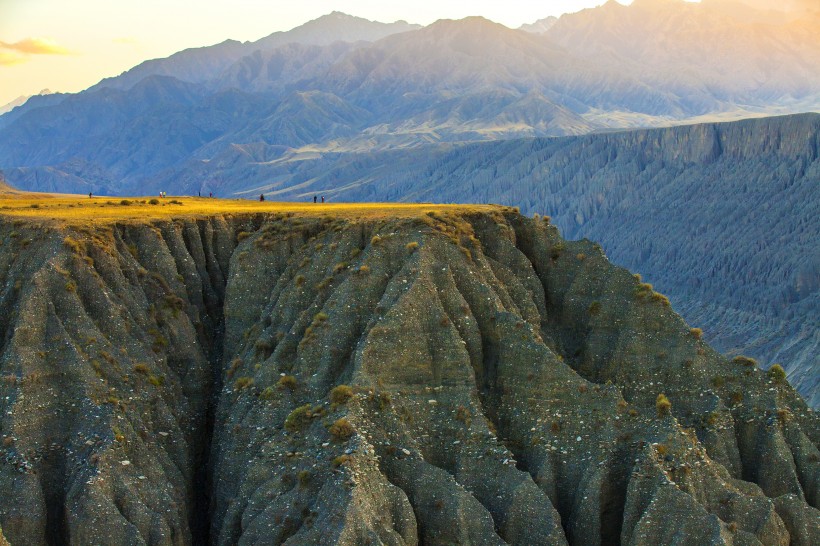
pixel 198 65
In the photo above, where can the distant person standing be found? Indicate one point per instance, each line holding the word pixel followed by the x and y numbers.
pixel 210 194
pixel 261 196
pixel 89 195
pixel 323 199
pixel 314 199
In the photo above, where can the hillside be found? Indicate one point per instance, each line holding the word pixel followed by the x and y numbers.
pixel 344 374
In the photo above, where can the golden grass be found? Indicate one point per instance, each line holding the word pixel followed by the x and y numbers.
pixel 77 209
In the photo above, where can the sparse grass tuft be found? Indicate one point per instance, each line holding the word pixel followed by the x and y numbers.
pixel 287 382
pixel 412 246
pixel 340 394
pixel 341 460
pixel 269 393
pixel 299 418
pixel 777 373
pixel 663 405
pixel 745 361
pixel 242 383
pixel 142 369
pixel 696 333
pixel 375 240
pixel 341 430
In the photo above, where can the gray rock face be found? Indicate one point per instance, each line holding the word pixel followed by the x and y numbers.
pixel 458 376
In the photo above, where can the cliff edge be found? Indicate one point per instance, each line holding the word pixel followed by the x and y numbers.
pixel 416 374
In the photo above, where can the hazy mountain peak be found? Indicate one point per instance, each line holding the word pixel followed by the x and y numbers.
pixel 540 26
pixel 336 27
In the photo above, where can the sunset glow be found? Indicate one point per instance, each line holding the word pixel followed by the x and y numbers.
pixel 69 46
pixel 108 38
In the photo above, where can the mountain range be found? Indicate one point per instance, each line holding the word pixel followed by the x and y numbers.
pixel 361 110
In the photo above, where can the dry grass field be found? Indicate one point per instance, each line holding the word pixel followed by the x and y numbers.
pixel 77 209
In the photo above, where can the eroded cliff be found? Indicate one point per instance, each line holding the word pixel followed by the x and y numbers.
pixel 443 375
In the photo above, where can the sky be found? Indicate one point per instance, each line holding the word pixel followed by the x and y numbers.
pixel 69 45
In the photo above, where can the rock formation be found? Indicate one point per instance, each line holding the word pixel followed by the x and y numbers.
pixel 448 375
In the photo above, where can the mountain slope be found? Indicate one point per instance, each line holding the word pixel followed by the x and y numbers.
pixel 345 375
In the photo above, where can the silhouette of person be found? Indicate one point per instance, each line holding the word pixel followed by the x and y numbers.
pixel 323 199
pixel 314 198
pixel 211 194
pixel 89 195
pixel 261 196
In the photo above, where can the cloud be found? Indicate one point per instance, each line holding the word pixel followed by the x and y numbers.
pixel 8 59
pixel 35 46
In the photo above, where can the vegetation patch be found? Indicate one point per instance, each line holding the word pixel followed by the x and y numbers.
pixel 663 405
pixel 299 418
pixel 341 430
pixel 340 394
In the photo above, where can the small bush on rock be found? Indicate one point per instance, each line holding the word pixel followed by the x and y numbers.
pixel 341 430
pixel 777 373
pixel 340 394
pixel 663 405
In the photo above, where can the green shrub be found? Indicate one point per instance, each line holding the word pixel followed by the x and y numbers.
pixel 299 418
pixel 341 460
pixel 594 308
pixel 663 405
pixel 341 430
pixel 745 361
pixel 777 373
pixel 697 333
pixel 287 382
pixel 300 280
pixel 341 394
pixel 375 240
pixel 142 368
pixel 153 201
pixel 125 202
pixel 411 246
pixel 156 380
pixel 242 235
pixel 268 394
pixel 657 296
